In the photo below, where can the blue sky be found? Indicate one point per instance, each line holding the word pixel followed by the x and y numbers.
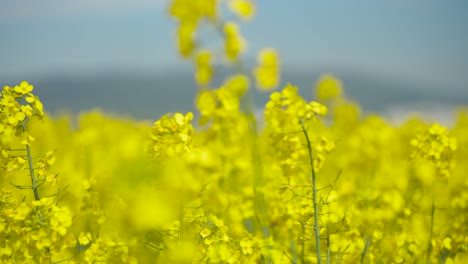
pixel 422 40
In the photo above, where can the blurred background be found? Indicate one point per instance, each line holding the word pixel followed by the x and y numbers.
pixel 393 57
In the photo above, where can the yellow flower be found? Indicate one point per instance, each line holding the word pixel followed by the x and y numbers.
pixel 243 8
pixel 328 87
pixel 27 110
pixel 237 84
pixel 36 104
pixel 205 232
pixel 436 146
pixel 23 88
pixel 325 145
pixel 234 43
pixel 448 243
pixel 27 139
pixel 171 136
pixel 204 71
pixel 185 37
pixel 84 238
pixel 267 73
pixel 318 108
pixel 6 251
pixel 247 246
pixel 193 9
pixel 22 212
pixel 206 103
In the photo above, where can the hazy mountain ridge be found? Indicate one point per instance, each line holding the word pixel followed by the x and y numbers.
pixel 150 95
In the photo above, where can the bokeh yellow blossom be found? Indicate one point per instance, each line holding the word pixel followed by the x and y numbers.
pixel 204 69
pixel 234 43
pixel 171 136
pixel 267 73
pixel 328 87
pixel 436 146
pixel 245 9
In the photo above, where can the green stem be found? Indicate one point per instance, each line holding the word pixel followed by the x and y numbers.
pixel 260 202
pixel 429 246
pixel 259 196
pixel 366 248
pixel 33 177
pixel 31 172
pixel 293 250
pixel 31 169
pixel 314 194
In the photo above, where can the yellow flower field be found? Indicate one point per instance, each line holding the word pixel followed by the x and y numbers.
pixel 307 182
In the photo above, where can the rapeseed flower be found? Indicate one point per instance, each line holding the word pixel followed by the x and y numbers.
pixel 204 69
pixel 328 87
pixel 436 146
pixel 171 136
pixel 267 73
pixel 245 9
pixel 234 43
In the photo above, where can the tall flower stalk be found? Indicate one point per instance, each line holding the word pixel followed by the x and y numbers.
pixel 34 184
pixel 314 194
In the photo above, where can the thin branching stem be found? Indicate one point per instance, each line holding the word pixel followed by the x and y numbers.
pixel 31 169
pixel 366 249
pixel 314 194
pixel 34 183
pixel 431 230
pixel 293 250
pixel 290 259
pixel 429 246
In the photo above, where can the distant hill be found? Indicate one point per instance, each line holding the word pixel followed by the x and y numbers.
pixel 150 95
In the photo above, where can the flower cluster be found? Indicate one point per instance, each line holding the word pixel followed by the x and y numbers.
pixel 328 87
pixel 242 8
pixel 234 43
pixel 107 250
pixel 287 115
pixel 17 106
pixel 237 84
pixel 204 205
pixel 13 113
pixel 436 146
pixel 287 109
pixel 32 232
pixel 39 230
pixel 171 136
pixel 204 70
pixel 189 13
pixel 268 71
pixel 218 104
pixel 234 191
